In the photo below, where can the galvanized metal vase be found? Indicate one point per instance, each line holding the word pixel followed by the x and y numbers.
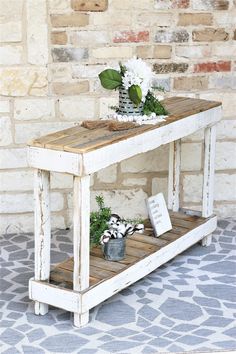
pixel 126 106
pixel 114 249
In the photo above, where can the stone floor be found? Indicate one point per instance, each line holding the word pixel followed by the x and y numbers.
pixel 187 305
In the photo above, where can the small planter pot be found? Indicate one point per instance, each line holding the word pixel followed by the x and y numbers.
pixel 114 249
pixel 126 106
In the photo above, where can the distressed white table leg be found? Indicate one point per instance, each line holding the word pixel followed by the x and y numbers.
pixel 42 231
pixel 208 177
pixel 81 241
pixel 174 175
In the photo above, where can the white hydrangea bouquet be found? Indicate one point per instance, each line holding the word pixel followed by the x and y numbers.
pixel 133 79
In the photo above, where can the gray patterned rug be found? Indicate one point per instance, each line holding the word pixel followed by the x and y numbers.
pixel 187 305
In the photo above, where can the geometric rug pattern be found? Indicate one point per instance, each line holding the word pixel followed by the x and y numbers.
pixel 189 304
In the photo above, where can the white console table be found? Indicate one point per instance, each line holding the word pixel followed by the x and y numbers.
pixel 84 281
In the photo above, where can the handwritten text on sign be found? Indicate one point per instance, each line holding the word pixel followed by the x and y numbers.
pixel 158 214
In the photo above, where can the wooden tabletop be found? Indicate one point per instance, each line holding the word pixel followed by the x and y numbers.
pixel 78 139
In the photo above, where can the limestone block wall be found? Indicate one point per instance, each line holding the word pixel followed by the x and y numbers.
pixel 51 52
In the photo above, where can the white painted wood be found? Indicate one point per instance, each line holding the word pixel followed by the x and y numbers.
pixel 83 298
pixel 81 219
pixel 107 155
pixel 208 176
pixel 54 295
pixel 42 231
pixel 209 166
pixel 190 212
pixel 53 160
pixel 174 175
pixel 206 241
pixel 109 287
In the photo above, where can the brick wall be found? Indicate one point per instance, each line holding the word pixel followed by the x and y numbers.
pixel 50 55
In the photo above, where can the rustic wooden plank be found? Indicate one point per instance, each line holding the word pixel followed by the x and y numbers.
pixel 52 160
pixel 101 273
pixel 83 136
pixel 81 212
pixel 103 264
pixel 93 280
pixel 97 252
pixel 98 262
pixel 58 144
pixel 168 236
pixel 106 138
pixel 152 240
pixel 95 295
pixel 178 107
pixel 184 216
pixel 83 147
pixel 185 223
pixel 42 229
pixel 174 175
pixel 66 270
pixel 208 176
pixel 61 275
pixel 136 252
pixel 178 230
pixel 141 245
pixel 40 142
pixel 129 260
pixel 68 265
pixel 186 105
pixel 173 108
pixel 95 159
pixel 54 295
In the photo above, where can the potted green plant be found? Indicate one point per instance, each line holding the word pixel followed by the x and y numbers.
pixel 114 250
pixel 133 79
pixel 111 231
pixel 98 221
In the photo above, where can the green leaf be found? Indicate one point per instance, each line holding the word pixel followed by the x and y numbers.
pixel 110 79
pixel 98 221
pixel 152 105
pixel 135 94
pixel 122 69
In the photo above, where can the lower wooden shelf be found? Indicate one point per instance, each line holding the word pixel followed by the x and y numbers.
pixel 138 247
pixel 144 253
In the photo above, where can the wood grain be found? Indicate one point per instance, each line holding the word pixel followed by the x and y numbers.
pixel 138 246
pixel 81 140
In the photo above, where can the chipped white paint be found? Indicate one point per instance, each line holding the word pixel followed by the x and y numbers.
pixel 42 232
pixel 208 176
pixel 174 175
pixel 52 160
pixel 95 295
pixel 82 297
pixel 81 242
pixel 54 295
pixel 150 140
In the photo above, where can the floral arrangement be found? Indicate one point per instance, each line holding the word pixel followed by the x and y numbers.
pixel 119 228
pixel 105 226
pixel 135 77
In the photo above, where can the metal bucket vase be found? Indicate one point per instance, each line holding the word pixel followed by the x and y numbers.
pixel 114 249
pixel 126 106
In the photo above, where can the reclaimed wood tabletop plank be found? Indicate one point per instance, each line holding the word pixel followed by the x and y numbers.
pixel 78 139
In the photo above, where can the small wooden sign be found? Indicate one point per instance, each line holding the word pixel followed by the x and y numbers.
pixel 158 214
